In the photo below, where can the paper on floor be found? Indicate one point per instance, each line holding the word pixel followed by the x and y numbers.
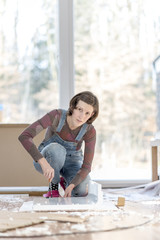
pixel 150 191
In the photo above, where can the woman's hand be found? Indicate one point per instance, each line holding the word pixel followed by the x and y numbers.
pixel 68 190
pixel 48 171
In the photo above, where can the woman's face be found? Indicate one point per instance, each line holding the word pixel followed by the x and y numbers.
pixel 81 114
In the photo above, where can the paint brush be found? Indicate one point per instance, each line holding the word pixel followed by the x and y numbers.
pixel 50 186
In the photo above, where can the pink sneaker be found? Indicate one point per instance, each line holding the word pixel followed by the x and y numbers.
pixel 62 183
pixel 51 194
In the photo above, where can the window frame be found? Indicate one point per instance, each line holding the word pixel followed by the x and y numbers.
pixel 66 52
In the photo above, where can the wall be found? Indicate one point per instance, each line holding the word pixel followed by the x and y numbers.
pixel 16 165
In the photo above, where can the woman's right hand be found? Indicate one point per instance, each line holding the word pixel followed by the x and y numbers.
pixel 48 171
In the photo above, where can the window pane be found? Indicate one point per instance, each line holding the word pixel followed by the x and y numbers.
pixel 115 44
pixel 28 68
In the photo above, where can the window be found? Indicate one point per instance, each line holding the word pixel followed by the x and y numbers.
pixel 28 65
pixel 115 44
pixel 36 44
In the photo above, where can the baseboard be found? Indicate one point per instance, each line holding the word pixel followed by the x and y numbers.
pixel 31 191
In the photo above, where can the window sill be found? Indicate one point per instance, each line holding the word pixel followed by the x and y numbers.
pixel 117 183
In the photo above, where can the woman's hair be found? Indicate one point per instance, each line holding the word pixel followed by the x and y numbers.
pixel 89 98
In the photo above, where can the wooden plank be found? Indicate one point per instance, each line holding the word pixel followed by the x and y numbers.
pixel 154 163
pixel 13 220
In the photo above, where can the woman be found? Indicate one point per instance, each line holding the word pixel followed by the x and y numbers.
pixel 59 156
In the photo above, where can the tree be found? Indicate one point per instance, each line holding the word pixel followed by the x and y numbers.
pixel 112 63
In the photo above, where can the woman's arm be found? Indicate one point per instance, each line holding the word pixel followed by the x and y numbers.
pixel 90 141
pixel 48 171
pixel 68 190
pixel 26 137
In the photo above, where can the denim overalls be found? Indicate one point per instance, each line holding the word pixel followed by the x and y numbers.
pixel 63 157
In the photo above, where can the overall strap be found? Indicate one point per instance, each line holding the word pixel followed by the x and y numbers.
pixel 62 120
pixel 82 132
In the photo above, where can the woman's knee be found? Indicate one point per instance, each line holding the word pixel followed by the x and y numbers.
pixel 54 154
pixel 54 148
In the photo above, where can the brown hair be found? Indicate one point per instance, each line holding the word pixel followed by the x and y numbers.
pixel 89 98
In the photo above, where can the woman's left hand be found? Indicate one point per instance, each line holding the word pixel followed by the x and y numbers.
pixel 68 190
